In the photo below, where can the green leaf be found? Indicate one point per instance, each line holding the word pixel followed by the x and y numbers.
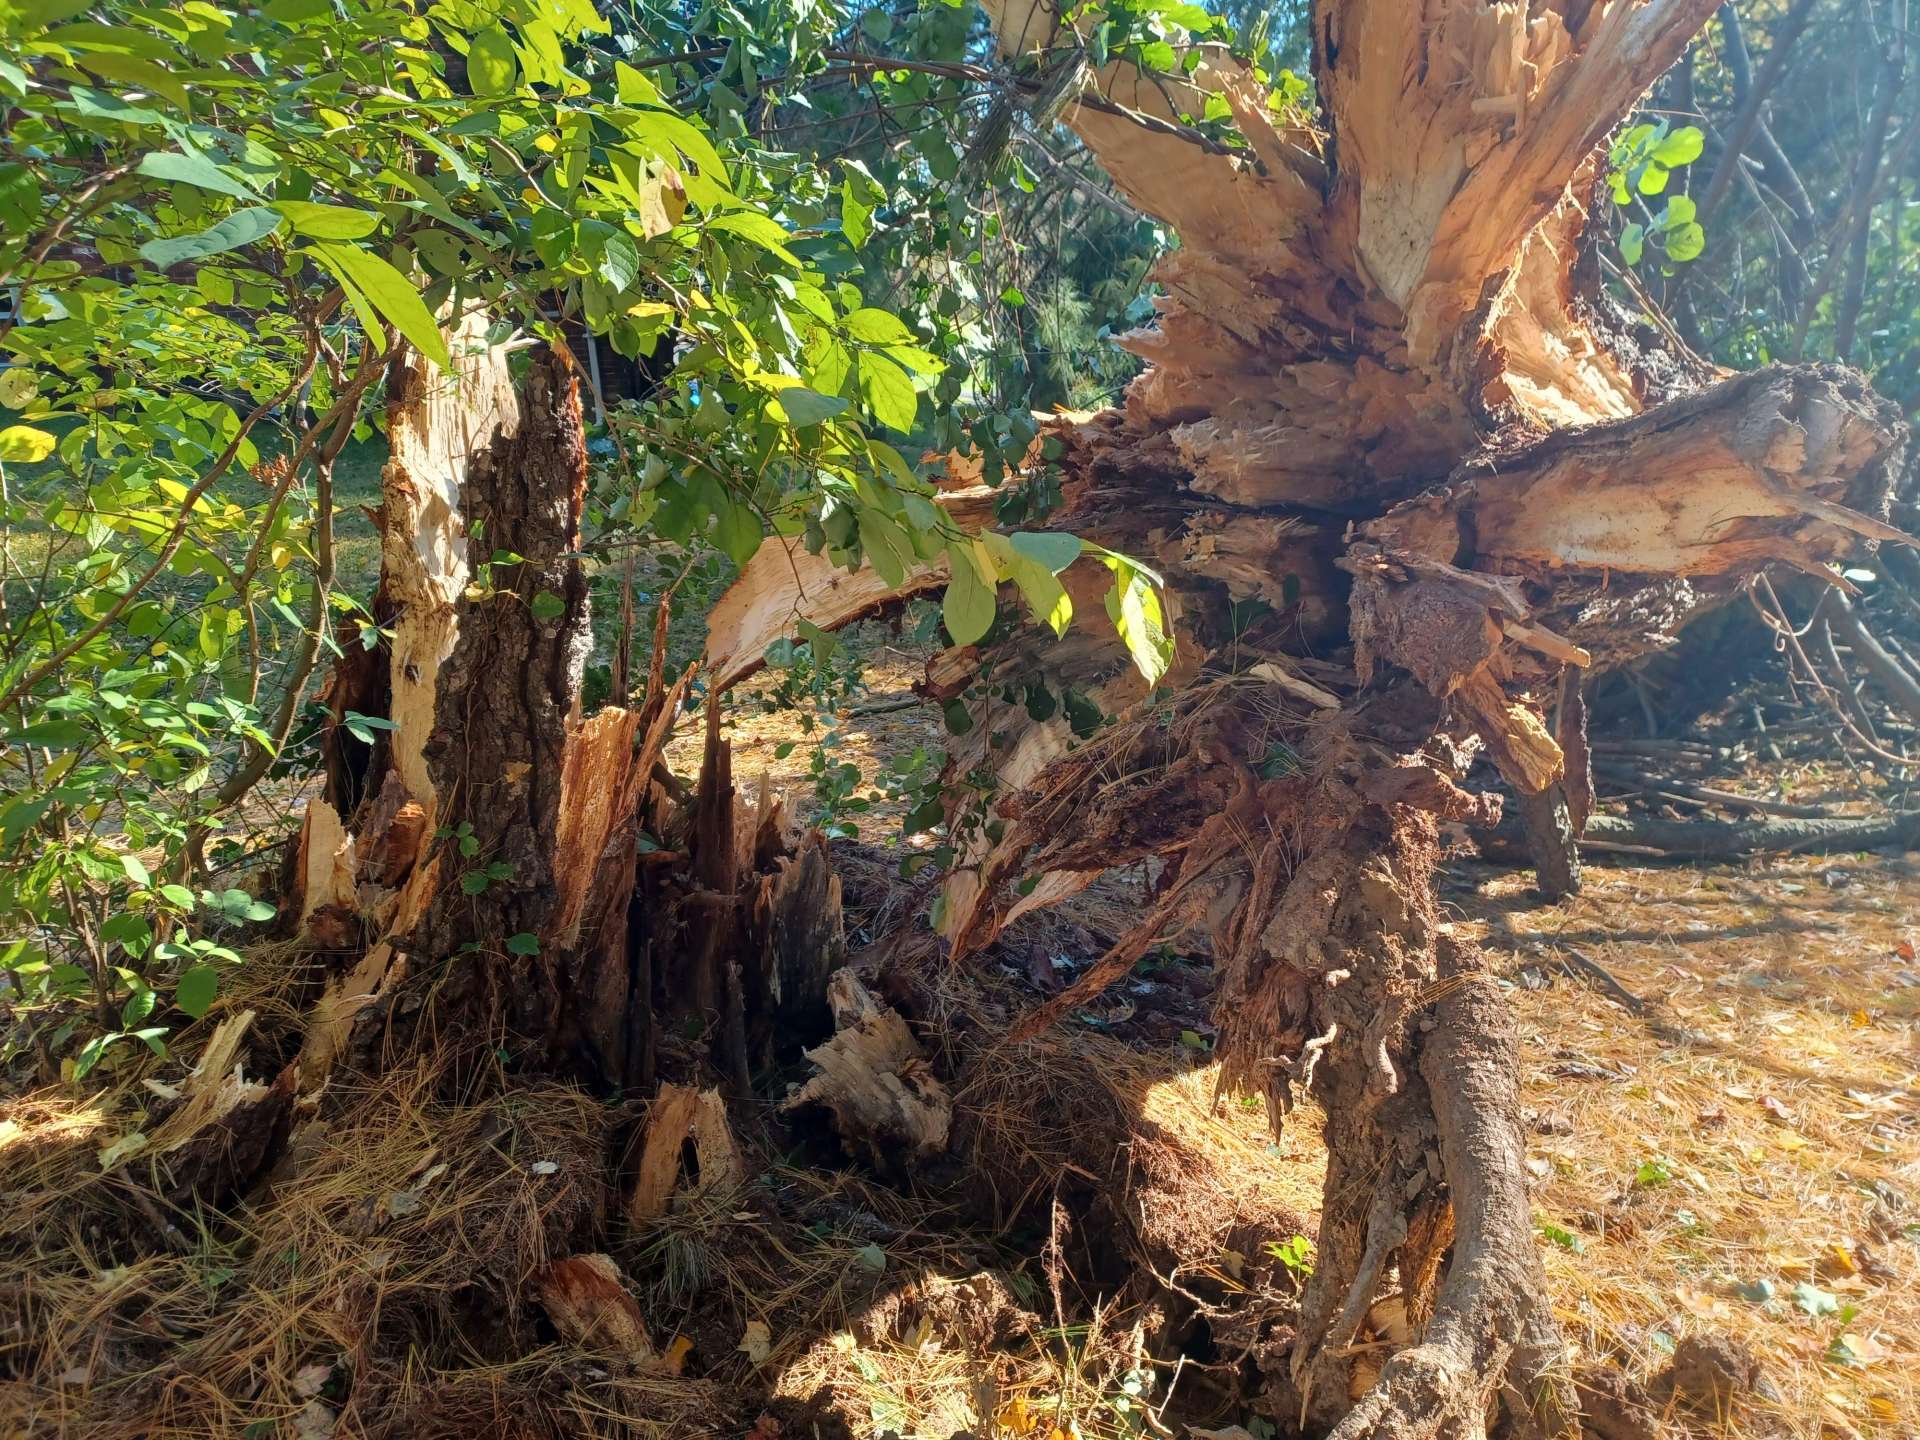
pixel 1815 1301
pixel 1563 1237
pixel 390 293
pixel 493 68
pixel 179 894
pixel 856 216
pixel 889 393
pixel 968 607
pixel 193 169
pixel 328 222
pixel 633 87
pixel 198 985
pixel 293 13
pixel 878 327
pixel 1653 179
pixel 1682 147
pixel 1679 210
pixel 53 734
pixel 242 227
pixel 90 1054
pixel 619 261
pixel 525 943
pixel 1633 243
pixel 1686 241
pixel 1045 595
pixel 668 133
pixel 803 406
pixel 23 444
pixel 362 727
pixel 737 530
pixel 1052 549
pixel 887 547
pixel 103 105
pixel 547 606
pixel 762 230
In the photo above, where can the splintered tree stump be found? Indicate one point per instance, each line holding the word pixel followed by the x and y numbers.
pixel 1404 465
pixel 479 871
pixel 589 1303
pixel 1553 845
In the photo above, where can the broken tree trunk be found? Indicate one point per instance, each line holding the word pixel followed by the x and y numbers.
pixel 1390 414
pixel 497 870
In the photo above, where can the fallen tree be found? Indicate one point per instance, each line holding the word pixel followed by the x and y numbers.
pixel 1731 839
pixel 1402 463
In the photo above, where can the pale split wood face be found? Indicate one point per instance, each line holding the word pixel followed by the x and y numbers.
pixel 1382 374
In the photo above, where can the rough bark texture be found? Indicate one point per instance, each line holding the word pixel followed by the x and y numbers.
pixel 1553 845
pixel 1388 400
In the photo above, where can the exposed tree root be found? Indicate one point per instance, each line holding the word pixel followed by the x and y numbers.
pixel 1491 1324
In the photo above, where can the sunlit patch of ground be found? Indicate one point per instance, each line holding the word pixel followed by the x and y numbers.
pixel 867 738
pixel 1745 1155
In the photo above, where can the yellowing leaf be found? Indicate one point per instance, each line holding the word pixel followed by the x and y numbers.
pixel 1014 1416
pixel 18 385
pixel 756 1342
pixel 968 606
pixel 25 444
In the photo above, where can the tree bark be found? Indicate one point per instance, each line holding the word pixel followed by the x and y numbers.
pixel 1705 839
pixel 1389 410
pixel 1552 843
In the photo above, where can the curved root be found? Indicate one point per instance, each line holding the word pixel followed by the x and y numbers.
pixel 1492 1333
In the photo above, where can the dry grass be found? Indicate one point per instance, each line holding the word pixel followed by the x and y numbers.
pixel 376 1285
pixel 1774 1079
pixel 369 1288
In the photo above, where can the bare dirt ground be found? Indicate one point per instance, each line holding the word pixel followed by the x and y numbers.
pixel 1743 1155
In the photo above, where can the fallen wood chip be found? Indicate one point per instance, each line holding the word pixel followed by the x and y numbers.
pixel 1297 686
pixel 679 1114
pixel 875 1079
pixel 587 1299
